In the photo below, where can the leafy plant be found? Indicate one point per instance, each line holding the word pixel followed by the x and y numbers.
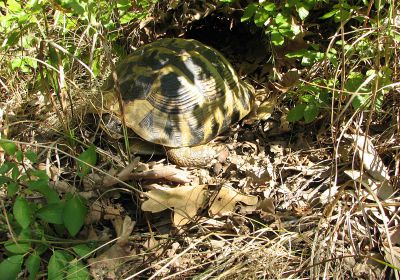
pixel 312 99
pixel 34 225
pixel 277 17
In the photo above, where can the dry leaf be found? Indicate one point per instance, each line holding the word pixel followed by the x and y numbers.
pixel 225 201
pixel 168 172
pixel 383 190
pixel 124 175
pixel 118 253
pixel 185 201
pixel 370 158
pixel 392 256
pixel 288 80
pixel 267 206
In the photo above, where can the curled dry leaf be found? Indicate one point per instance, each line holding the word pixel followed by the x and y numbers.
pixel 167 172
pixel 370 158
pixel 138 170
pixel 225 201
pixel 185 201
pixel 124 175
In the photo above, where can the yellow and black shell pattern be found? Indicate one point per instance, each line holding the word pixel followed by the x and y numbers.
pixel 180 92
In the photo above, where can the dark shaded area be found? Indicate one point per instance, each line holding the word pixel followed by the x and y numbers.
pixel 238 41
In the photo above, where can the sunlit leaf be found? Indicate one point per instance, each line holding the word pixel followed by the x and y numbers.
pixel 303 12
pixel 276 38
pixel 329 14
pixel 249 12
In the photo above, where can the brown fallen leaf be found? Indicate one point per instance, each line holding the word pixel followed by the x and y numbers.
pixel 118 253
pixel 225 201
pixel 267 206
pixel 383 190
pixel 371 160
pixel 185 201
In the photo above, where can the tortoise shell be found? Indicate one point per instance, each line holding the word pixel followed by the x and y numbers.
pixel 179 92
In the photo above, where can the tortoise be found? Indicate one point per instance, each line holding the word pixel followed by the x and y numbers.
pixel 180 94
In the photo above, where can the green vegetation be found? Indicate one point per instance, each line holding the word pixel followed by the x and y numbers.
pixel 37 228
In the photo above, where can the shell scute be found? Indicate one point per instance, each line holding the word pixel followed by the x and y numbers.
pixel 180 92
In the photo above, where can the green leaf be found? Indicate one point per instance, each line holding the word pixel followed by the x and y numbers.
pixel 6 166
pixel 276 38
pixel 74 214
pixel 15 172
pixel 4 180
pixel 73 5
pixel 52 213
pixel 11 267
pixel 22 247
pixel 128 17
pixel 9 147
pixel 77 271
pixel 87 158
pixel 83 250
pixel 303 12
pixel 307 98
pixel 32 156
pixel 354 81
pixel 360 100
pixel 311 112
pixel 261 18
pixel 42 186
pixel 32 264
pixel 249 12
pixel 16 248
pixel 41 174
pixel 13 6
pixel 23 212
pixel 282 21
pixel 12 188
pixel 124 4
pixel 269 7
pixel 329 14
pixel 57 268
pixel 296 113
pixel 342 16
pixel 19 156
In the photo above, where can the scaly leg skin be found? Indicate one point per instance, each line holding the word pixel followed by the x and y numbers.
pixel 197 156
